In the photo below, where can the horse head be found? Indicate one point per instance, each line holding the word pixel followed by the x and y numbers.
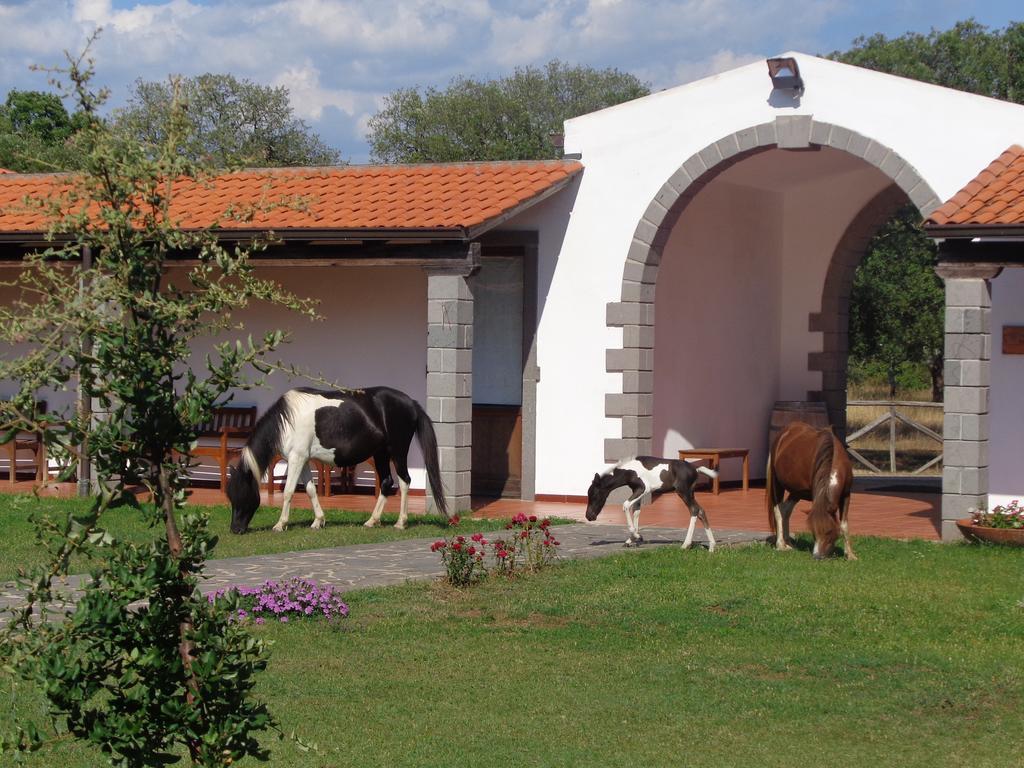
pixel 244 495
pixel 833 476
pixel 597 495
pixel 825 528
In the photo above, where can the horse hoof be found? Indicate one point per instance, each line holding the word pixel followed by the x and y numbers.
pixel 317 525
pixel 638 539
pixel 370 523
pixel 279 528
pixel 851 556
pixel 400 526
pixel 629 543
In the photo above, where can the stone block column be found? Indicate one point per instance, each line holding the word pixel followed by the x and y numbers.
pixel 450 379
pixel 968 350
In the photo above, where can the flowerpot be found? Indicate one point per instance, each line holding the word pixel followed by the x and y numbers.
pixel 1013 537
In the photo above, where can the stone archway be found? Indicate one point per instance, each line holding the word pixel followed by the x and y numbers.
pixel 634 313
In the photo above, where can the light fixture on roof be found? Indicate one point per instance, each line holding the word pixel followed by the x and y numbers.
pixel 785 75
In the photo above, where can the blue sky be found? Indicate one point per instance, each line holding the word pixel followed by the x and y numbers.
pixel 338 58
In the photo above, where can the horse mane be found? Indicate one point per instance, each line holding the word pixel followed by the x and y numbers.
pixel 825 500
pixel 266 435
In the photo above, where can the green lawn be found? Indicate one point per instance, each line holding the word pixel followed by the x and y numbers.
pixel 745 657
pixel 18 547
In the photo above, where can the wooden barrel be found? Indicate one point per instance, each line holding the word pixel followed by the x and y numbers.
pixel 786 411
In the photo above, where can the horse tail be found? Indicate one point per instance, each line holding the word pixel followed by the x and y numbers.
pixel 428 446
pixel 707 471
pixel 824 489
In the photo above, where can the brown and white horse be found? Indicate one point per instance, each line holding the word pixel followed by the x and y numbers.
pixel 811 465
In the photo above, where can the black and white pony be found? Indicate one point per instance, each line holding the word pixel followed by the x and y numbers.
pixel 339 429
pixel 647 477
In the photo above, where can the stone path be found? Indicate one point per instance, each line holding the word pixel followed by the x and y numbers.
pixel 373 565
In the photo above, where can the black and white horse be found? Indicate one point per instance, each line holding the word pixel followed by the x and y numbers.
pixel 339 429
pixel 647 477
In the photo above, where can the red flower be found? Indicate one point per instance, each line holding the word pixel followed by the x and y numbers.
pixel 437 545
pixel 524 535
pixel 478 537
pixel 533 518
pixel 453 520
pixel 545 523
pixel 502 554
pixel 472 550
pixel 457 546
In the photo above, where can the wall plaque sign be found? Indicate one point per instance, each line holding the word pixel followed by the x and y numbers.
pixel 1013 339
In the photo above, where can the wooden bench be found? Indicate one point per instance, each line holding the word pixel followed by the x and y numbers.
pixel 714 458
pixel 230 426
pixel 27 441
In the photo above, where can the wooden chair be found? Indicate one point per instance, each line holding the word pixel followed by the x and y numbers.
pixel 31 442
pixel 230 426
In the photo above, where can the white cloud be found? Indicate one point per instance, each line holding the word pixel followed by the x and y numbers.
pixel 310 98
pixel 338 58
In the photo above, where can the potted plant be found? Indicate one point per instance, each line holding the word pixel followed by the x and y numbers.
pixel 1003 525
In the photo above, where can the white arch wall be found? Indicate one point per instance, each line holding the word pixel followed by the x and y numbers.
pixel 629 151
pixel 717 323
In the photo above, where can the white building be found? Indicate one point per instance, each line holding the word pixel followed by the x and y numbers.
pixel 689 269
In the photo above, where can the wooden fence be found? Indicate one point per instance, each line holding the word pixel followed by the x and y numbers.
pixel 894 417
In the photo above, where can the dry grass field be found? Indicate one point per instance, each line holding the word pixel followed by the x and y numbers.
pixel 913 448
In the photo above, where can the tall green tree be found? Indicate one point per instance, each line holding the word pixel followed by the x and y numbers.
pixel 231 122
pixel 897 302
pixel 510 118
pixel 144 666
pixel 896 313
pixel 37 132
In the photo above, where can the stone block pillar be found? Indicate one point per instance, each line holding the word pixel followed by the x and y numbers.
pixel 968 350
pixel 450 379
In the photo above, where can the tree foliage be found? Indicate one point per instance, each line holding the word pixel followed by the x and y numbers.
pixel 143 666
pixel 510 118
pixel 897 303
pixel 37 132
pixel 969 57
pixel 230 122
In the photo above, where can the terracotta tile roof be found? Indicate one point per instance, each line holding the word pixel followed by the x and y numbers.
pixel 994 198
pixel 446 197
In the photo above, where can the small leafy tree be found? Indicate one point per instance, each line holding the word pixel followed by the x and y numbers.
pixel 143 667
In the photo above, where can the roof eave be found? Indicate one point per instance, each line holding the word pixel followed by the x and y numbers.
pixel 965 231
pixel 477 230
pixel 299 234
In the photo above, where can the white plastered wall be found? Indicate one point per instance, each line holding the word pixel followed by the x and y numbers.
pixel 1006 397
pixel 630 151
pixel 717 319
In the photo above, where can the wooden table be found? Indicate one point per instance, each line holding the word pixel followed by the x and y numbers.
pixel 714 457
